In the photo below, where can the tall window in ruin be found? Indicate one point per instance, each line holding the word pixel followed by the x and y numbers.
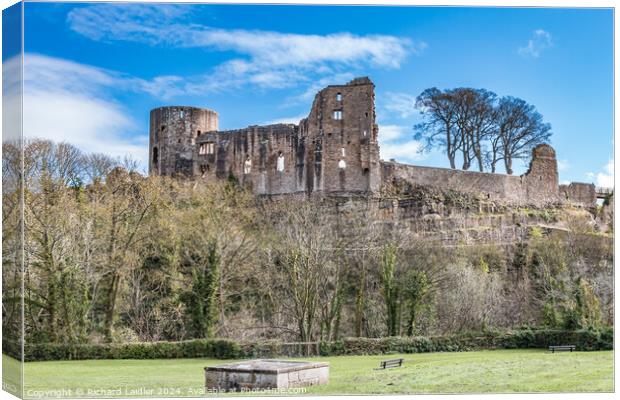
pixel 342 164
pixel 338 96
pixel 337 114
pixel 280 162
pixel 206 148
pixel 155 155
pixel 247 165
pixel 342 151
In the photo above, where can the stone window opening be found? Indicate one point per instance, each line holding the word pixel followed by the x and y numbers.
pixel 342 150
pixel 206 148
pixel 338 96
pixel 280 162
pixel 198 133
pixel 342 164
pixel 155 155
pixel 337 114
pixel 182 114
pixel 247 165
pixel 365 133
pixel 163 128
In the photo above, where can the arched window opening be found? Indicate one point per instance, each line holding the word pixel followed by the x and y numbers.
pixel 280 162
pixel 342 164
pixel 338 96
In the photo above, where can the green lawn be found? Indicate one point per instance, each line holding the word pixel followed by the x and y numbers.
pixel 493 371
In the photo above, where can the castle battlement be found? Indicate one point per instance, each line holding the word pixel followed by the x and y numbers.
pixel 334 150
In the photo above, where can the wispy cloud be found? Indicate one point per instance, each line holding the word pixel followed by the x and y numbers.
pixel 395 142
pixel 604 178
pixel 540 41
pixel 401 104
pixel 67 101
pixel 265 59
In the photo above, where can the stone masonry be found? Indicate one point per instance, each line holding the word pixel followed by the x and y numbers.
pixel 333 151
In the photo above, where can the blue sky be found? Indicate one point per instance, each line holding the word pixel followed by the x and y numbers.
pixel 93 71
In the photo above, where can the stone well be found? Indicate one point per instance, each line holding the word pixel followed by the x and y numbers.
pixel 266 374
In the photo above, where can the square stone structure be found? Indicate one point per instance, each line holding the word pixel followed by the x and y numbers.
pixel 266 374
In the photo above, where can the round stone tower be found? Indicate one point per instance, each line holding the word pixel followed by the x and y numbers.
pixel 172 138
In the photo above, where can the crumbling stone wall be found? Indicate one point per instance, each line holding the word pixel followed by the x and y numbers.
pixel 576 192
pixel 541 178
pixel 538 186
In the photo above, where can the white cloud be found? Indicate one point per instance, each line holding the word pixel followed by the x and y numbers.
pixel 604 178
pixel 401 104
pixel 267 59
pixel 393 144
pixel 540 41
pixel 67 101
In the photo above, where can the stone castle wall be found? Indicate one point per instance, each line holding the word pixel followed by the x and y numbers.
pixel 538 186
pixel 333 151
pixel 575 192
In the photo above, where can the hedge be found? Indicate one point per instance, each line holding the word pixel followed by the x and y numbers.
pixel 584 340
pixel 209 348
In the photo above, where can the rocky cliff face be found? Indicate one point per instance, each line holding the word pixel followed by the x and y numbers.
pixel 452 218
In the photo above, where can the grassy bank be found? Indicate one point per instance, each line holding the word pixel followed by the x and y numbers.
pixel 489 371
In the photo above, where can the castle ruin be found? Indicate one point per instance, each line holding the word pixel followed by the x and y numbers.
pixel 333 151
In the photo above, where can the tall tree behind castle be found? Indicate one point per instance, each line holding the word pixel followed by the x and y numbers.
pixel 481 128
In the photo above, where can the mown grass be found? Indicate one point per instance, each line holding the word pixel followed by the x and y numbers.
pixel 491 371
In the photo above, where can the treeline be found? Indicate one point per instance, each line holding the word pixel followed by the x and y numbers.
pixel 113 256
pixel 479 128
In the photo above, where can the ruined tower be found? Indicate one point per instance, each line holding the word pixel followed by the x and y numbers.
pixel 172 138
pixel 343 134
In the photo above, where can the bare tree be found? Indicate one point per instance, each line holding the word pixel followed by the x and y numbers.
pixel 439 128
pixel 520 128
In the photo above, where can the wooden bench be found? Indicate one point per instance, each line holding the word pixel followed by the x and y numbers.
pixel 398 362
pixel 570 348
